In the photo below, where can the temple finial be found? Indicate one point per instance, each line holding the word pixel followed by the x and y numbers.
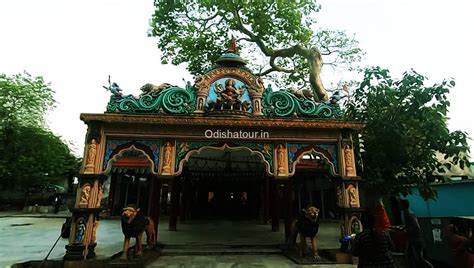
pixel 233 46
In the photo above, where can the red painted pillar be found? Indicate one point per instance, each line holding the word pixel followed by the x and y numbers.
pixel 186 201
pixel 274 205
pixel 266 200
pixel 154 202
pixel 288 208
pixel 175 199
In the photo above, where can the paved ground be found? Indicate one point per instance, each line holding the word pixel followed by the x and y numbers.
pixel 30 237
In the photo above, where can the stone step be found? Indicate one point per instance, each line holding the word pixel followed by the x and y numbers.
pixel 176 250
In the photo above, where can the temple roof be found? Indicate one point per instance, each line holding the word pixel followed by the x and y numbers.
pixel 227 89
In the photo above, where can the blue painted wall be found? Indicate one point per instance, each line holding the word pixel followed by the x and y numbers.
pixel 454 199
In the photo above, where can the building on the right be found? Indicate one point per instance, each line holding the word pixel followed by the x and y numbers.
pixel 438 218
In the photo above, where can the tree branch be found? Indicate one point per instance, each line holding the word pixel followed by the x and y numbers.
pixel 240 25
pixel 268 71
pixel 186 13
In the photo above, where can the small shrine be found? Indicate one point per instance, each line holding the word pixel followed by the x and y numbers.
pixel 224 134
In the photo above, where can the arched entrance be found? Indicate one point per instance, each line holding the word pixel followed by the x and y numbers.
pixel 222 183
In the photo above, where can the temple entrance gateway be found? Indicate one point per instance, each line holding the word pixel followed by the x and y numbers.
pixel 224 147
pixel 219 184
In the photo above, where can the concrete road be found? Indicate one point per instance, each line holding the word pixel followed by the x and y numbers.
pixel 30 237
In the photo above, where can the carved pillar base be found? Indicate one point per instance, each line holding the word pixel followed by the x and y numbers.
pixel 85 217
pixel 74 252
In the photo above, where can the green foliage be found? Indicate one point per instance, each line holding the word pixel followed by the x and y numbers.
pixel 24 99
pixel 31 154
pixel 36 156
pixel 406 125
pixel 197 32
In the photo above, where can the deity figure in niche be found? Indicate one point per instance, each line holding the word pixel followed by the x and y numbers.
pixel 99 195
pixel 167 158
pixel 353 196
pixel 85 193
pixel 91 154
pixel 80 230
pixel 281 159
pixel 348 159
pixel 230 94
pixel 355 226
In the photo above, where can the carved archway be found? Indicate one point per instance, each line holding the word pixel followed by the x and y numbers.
pixel 297 151
pixel 122 153
pixel 227 148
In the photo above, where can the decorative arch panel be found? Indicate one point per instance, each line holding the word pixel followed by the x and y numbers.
pixel 328 152
pixel 116 147
pixel 185 149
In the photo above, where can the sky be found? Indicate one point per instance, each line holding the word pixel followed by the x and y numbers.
pixel 76 45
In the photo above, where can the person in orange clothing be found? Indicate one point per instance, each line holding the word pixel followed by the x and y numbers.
pixel 382 222
pixel 461 242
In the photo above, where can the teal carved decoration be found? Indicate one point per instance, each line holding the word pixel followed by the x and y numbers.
pixel 173 100
pixel 265 148
pixel 183 147
pixel 285 103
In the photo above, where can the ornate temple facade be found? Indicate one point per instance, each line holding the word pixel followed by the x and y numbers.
pixel 188 151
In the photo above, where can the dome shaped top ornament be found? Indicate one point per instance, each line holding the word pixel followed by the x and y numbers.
pixel 232 56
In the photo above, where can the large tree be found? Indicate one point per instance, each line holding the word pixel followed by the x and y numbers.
pixel 30 153
pixel 406 126
pixel 282 32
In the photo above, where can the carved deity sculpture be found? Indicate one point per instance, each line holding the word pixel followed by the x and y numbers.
pixel 80 230
pixel 353 196
pixel 167 158
pixel 257 106
pixel 200 82
pixel 99 196
pixel 229 94
pixel 200 104
pixel 356 226
pixel 349 161
pixel 85 193
pixel 281 159
pixel 91 154
pixel 258 88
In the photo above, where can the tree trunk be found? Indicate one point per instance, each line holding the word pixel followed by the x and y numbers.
pixel 315 62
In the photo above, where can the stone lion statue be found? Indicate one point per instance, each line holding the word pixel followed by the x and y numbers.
pixel 154 89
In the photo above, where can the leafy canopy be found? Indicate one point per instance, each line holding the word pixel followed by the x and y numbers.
pixel 406 125
pixel 277 37
pixel 24 99
pixel 30 153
